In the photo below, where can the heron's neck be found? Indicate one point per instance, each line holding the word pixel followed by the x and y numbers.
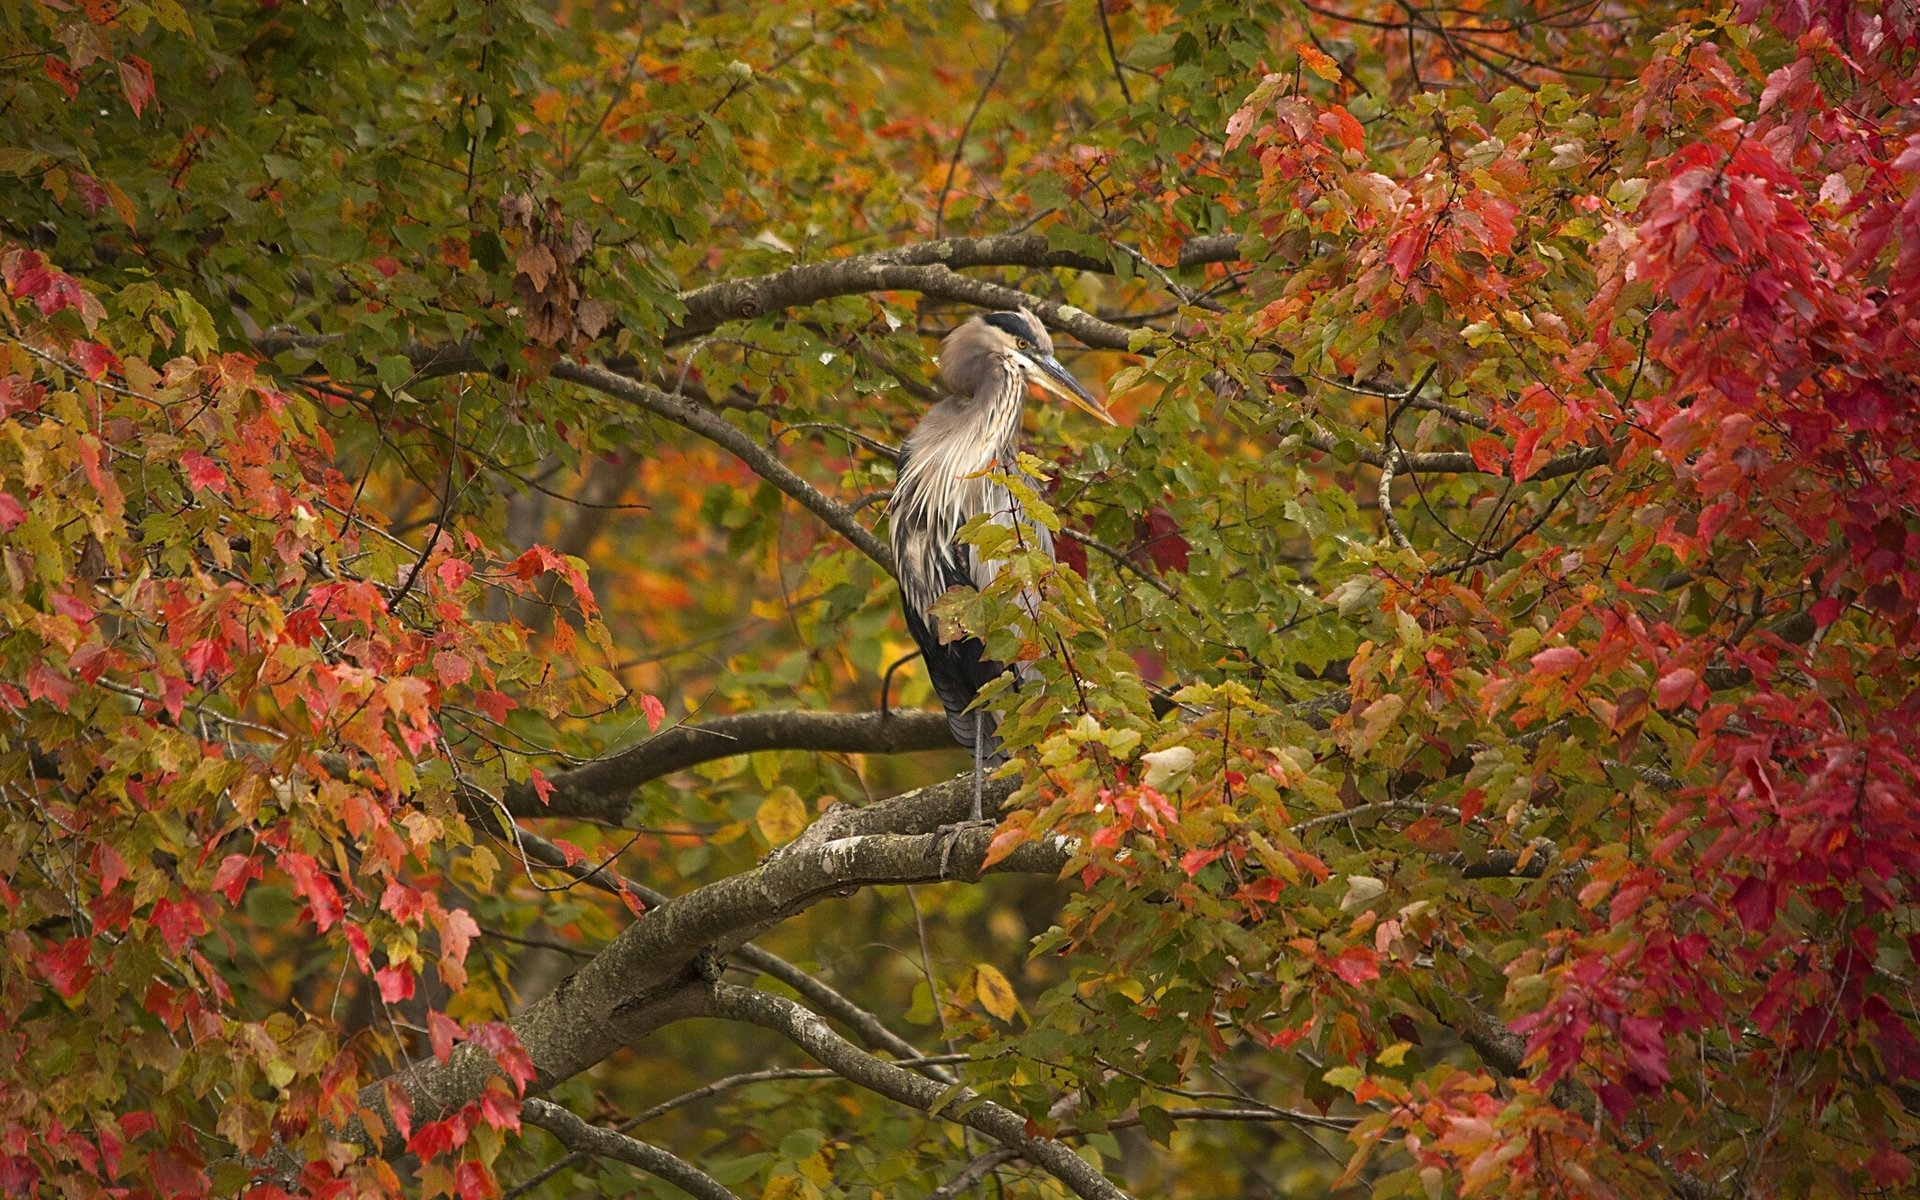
pixel 997 407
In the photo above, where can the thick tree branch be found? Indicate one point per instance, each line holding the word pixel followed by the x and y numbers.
pixel 576 1135
pixel 962 1105
pixel 926 267
pixel 642 978
pixel 602 790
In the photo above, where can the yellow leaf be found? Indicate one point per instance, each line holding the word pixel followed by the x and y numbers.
pixel 817 1169
pixel 994 992
pixel 781 816
pixel 1319 63
pixel 784 1187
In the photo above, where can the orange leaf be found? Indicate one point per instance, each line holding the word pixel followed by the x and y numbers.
pixel 1317 61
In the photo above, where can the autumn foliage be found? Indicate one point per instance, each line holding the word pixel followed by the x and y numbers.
pixel 1473 739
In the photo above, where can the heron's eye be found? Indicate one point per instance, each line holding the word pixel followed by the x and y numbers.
pixel 1023 343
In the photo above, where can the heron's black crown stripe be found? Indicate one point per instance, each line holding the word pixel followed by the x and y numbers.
pixel 1020 325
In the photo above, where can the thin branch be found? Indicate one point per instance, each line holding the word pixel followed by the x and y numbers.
pixel 976 1170
pixel 960 1105
pixel 580 1137
pixel 715 428
pixel 1384 496
pixel 1264 1113
pixel 1451 462
pixel 824 998
pixel 431 360
pixel 966 130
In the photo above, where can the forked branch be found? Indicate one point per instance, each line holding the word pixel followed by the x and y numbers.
pixel 643 978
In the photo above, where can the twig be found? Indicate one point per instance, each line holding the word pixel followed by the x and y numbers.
pixel 976 1169
pixel 1113 55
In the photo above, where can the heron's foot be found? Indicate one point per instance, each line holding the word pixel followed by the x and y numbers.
pixel 949 837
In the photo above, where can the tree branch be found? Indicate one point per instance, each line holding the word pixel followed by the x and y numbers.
pixel 717 429
pixel 870 1028
pixel 580 1137
pixel 962 1105
pixel 1456 462
pixel 602 790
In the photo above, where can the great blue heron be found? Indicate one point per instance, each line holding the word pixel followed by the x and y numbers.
pixel 986 365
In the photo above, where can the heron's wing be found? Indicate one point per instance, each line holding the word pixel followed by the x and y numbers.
pixel 930 563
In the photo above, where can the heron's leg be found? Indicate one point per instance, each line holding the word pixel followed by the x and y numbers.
pixel 950 834
pixel 979 758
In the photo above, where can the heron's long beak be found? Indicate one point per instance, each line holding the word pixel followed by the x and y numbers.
pixel 1050 374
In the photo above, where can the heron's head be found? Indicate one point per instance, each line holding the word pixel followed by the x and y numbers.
pixel 1017 338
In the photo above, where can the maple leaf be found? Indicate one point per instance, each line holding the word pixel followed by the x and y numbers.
pixel 453 572
pixel 235 870
pixel 323 900
pixel 494 704
pixel 1557 661
pixel 499 1040
pixel 442 1032
pixel 202 472
pixel 457 931
pixel 1676 687
pixel 93 358
pixel 475 1181
pixel 136 82
pixel 45 684
pixel 451 668
pixel 435 1138
pixel 498 1106
pixel 177 1172
pixel 396 982
pixel 178 920
pixel 68 967
pixel 205 657
pixel 1357 965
